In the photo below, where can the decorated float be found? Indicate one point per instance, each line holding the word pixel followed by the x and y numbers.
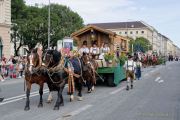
pixel 110 64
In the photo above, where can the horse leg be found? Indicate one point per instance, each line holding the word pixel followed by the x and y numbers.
pixel 58 101
pixel 27 96
pixel 88 83
pixel 61 97
pixel 79 88
pixel 41 93
pixel 93 82
pixel 49 100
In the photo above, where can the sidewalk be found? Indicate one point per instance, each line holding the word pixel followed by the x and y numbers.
pixel 9 80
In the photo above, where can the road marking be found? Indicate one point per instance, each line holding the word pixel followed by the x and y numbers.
pixel 161 81
pixel 76 112
pixel 157 79
pixel 20 97
pixel 24 95
pixel 17 99
pixel 118 90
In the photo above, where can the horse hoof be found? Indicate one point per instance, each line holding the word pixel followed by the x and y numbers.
pixel 27 108
pixel 71 98
pixel 61 104
pixel 56 108
pixel 92 88
pixel 40 105
pixel 89 91
pixel 80 98
pixel 49 101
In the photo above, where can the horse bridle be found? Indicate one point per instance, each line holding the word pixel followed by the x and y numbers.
pixel 51 58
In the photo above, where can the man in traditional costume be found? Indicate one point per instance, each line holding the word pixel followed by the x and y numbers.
pixel 104 50
pixel 94 50
pixel 84 49
pixel 130 67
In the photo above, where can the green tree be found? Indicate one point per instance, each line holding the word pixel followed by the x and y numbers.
pixel 17 13
pixel 131 42
pixel 142 44
pixel 17 9
pixel 33 27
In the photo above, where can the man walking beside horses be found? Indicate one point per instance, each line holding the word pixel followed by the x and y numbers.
pixel 130 66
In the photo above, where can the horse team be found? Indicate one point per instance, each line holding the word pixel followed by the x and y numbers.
pixel 57 71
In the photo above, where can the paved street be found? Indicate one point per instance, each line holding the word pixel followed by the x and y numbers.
pixel 155 97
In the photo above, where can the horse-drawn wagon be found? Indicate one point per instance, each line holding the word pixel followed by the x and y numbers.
pixel 111 73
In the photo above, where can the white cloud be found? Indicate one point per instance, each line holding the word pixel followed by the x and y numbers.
pixel 164 17
pixel 97 10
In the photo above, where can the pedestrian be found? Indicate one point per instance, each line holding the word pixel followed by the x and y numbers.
pixel 138 69
pixel 20 69
pixel 1 98
pixel 129 66
pixel 1 77
pixel 11 69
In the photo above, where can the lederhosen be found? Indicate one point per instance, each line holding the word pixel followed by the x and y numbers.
pixel 130 73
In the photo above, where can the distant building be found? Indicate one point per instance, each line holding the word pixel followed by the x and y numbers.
pixel 133 30
pixel 5 25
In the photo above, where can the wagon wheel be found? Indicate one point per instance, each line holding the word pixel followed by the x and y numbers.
pixel 110 80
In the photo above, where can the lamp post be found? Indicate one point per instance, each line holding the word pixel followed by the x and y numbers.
pixel 49 24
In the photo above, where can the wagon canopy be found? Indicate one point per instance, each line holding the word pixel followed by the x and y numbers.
pixel 92 33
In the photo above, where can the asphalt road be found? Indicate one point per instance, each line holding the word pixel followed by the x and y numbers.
pixel 155 97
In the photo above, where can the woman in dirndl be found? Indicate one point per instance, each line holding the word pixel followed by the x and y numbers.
pixel 138 69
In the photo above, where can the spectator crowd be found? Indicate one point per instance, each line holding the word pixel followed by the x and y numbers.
pixel 12 67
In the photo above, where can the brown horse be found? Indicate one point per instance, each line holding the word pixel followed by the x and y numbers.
pixel 89 71
pixel 34 74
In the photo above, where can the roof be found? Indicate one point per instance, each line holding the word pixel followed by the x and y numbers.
pixel 115 25
pixel 89 27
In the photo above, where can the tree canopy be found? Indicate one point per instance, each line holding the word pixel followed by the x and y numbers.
pixel 140 44
pixel 31 23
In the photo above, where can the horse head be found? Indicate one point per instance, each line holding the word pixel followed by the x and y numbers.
pixel 33 59
pixel 85 58
pixel 52 58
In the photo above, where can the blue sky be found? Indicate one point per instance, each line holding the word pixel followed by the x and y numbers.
pixel 164 15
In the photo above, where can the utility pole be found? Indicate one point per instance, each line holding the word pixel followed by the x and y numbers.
pixel 49 24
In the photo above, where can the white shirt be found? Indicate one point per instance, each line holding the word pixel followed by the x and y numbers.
pixel 94 50
pixel 138 64
pixel 105 49
pixel 130 65
pixel 83 50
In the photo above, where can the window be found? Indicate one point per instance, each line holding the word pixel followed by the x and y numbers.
pixel 119 32
pixel 142 32
pixel 125 32
pixel 136 32
pixel 131 32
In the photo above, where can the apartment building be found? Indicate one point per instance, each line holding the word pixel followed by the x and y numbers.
pixel 5 25
pixel 134 29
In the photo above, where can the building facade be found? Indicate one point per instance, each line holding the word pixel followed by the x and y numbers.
pixel 160 43
pixel 134 30
pixel 5 26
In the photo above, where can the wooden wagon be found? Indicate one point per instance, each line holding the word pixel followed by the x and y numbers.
pixel 110 74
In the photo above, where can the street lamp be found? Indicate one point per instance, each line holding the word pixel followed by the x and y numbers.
pixel 49 24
